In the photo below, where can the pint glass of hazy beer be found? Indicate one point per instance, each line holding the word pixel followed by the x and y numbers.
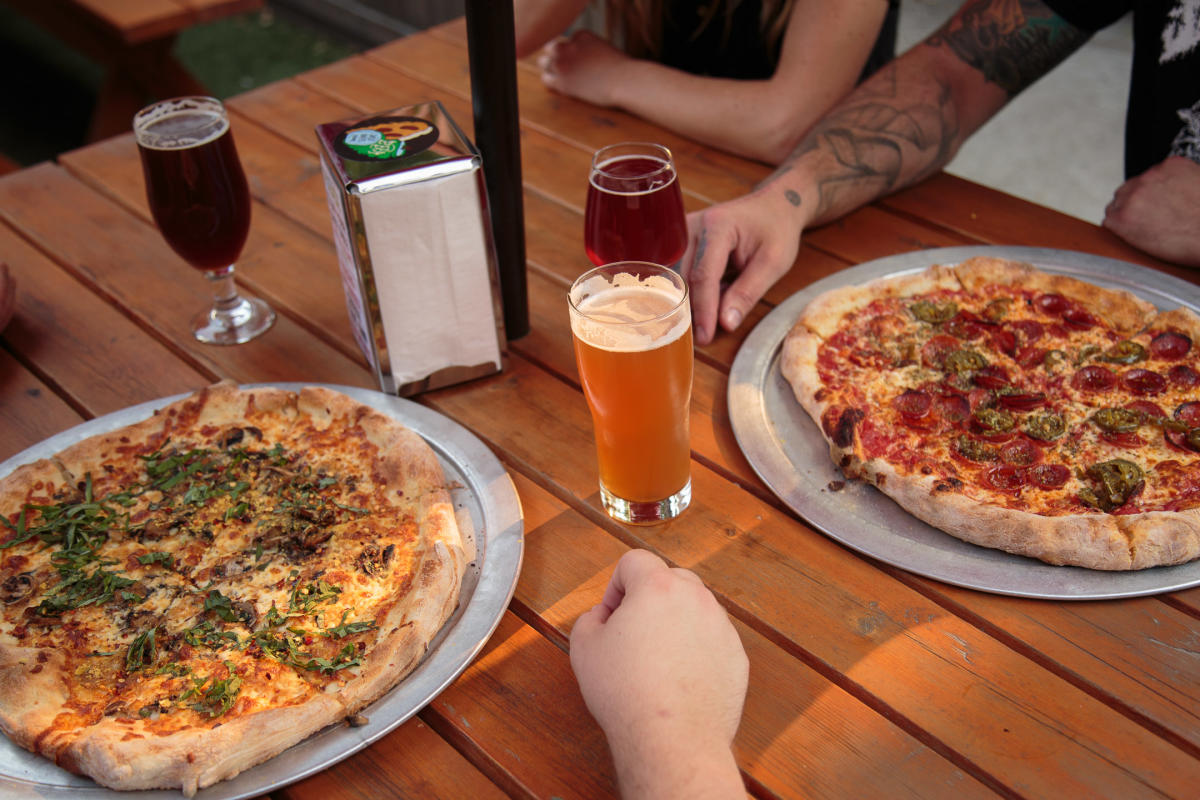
pixel 632 326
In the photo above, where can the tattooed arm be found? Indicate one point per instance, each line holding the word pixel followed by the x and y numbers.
pixel 902 125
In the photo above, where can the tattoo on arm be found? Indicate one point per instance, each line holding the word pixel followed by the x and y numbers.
pixel 701 246
pixel 891 133
pixel 1011 43
pixel 867 142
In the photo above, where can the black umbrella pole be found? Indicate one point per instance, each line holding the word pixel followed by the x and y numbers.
pixel 493 57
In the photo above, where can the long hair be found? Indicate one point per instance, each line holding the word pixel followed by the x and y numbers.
pixel 637 25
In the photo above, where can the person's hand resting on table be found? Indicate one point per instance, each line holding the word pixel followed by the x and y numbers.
pixel 1159 211
pixel 758 235
pixel 663 671
pixel 582 65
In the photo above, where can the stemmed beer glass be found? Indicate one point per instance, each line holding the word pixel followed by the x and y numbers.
pixel 201 203
pixel 634 206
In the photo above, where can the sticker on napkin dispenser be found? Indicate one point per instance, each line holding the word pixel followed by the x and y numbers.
pixel 414 244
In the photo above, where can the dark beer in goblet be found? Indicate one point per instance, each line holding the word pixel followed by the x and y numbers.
pixel 200 201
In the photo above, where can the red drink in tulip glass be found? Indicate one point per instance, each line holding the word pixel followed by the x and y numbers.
pixel 196 189
pixel 634 207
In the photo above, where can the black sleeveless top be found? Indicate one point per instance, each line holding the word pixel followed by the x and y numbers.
pixel 1163 116
pixel 741 52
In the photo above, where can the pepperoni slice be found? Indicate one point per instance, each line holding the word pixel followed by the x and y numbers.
pixel 992 376
pixel 953 408
pixel 1189 413
pixel 1030 357
pixel 1030 330
pixel 914 404
pixel 934 352
pixel 1179 440
pixel 1003 340
pixel 1146 409
pixel 843 340
pixel 1057 331
pixel 978 398
pixel 1020 452
pixel 1170 346
pixel 1144 381
pixel 1049 476
pixel 1024 401
pixel 1079 319
pixel 1184 376
pixel 1052 304
pixel 1093 378
pixel 965 325
pixel 1005 478
pixel 1126 441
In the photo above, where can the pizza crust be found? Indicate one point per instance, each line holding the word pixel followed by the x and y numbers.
pixel 1126 312
pixel 117 756
pixel 1182 320
pixel 823 315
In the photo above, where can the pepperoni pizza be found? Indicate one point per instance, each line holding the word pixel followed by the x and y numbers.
pixel 1013 408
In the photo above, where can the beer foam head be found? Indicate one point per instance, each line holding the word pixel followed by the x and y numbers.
pixel 628 314
pixel 180 123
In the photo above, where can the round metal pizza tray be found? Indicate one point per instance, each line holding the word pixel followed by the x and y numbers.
pixel 488 509
pixel 786 449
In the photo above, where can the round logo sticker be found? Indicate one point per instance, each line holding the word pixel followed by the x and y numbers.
pixel 384 138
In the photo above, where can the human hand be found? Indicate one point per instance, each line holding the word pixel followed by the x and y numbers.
pixel 1159 211
pixel 583 66
pixel 757 234
pixel 663 672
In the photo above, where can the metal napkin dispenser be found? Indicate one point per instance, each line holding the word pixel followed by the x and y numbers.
pixel 414 245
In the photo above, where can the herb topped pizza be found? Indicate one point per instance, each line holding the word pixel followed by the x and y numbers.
pixel 1013 408
pixel 192 594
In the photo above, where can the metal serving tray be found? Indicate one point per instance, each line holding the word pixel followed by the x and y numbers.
pixel 788 452
pixel 488 509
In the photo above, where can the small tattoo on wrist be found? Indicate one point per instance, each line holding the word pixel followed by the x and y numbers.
pixel 792 197
pixel 701 246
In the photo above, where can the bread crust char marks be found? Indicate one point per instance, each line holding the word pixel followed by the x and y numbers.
pixel 1013 408
pixel 190 595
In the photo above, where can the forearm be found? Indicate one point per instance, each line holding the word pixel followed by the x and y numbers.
pixel 875 142
pixel 909 119
pixel 747 118
pixel 675 769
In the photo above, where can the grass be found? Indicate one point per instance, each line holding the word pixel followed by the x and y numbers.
pixel 241 53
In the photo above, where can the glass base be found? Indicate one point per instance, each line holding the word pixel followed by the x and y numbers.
pixel 241 321
pixel 642 513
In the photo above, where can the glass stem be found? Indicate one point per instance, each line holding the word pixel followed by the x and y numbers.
pixel 225 293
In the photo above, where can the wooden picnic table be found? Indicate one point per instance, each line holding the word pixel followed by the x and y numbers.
pixel 865 680
pixel 133 42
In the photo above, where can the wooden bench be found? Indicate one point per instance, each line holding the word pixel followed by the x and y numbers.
pixel 132 41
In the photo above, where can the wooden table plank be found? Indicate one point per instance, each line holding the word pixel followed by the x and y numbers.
pixel 96 357
pixel 998 218
pixel 137 21
pixel 277 250
pixel 790 709
pixel 411 761
pixel 30 411
pixel 107 245
pixel 1017 714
